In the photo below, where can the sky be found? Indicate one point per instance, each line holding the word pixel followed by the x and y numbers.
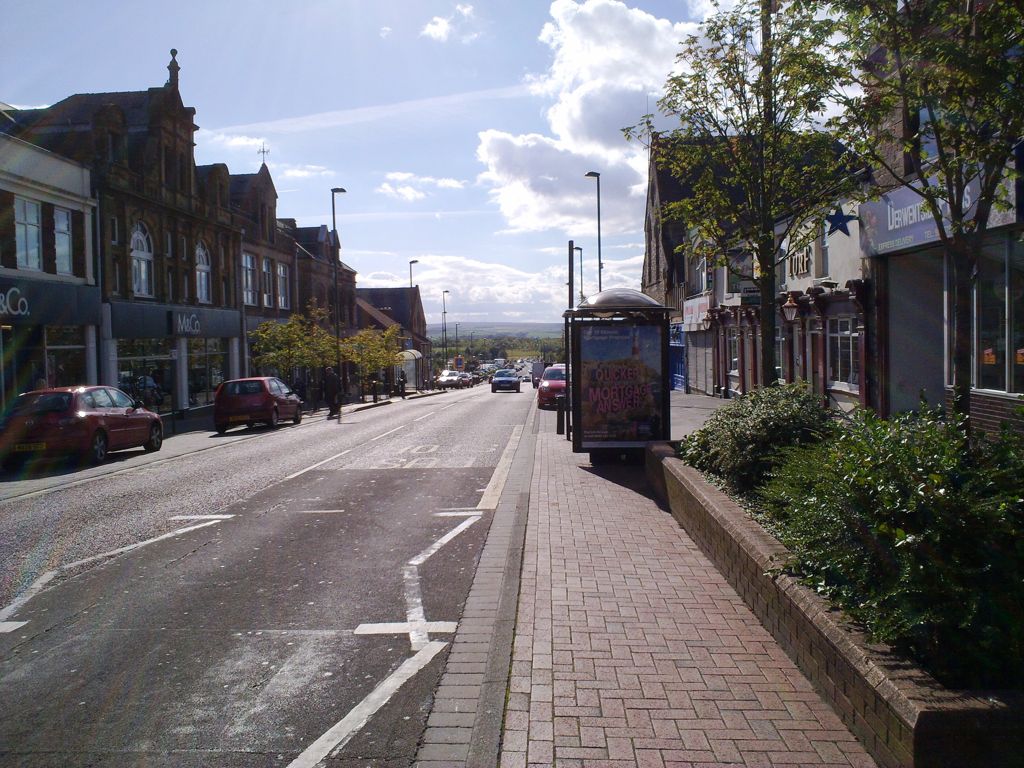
pixel 462 132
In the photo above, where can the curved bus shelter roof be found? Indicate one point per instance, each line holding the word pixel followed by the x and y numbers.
pixel 618 302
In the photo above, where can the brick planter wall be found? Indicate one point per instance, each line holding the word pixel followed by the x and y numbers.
pixel 901 715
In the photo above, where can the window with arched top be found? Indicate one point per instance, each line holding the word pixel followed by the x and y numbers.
pixel 142 260
pixel 203 283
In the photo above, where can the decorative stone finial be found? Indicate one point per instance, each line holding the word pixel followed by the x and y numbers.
pixel 173 69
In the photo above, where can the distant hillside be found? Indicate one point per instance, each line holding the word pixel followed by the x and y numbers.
pixel 492 330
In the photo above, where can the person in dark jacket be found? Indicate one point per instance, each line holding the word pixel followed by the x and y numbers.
pixel 332 392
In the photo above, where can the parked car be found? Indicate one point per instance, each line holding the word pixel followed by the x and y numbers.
pixel 506 379
pixel 257 399
pixel 551 390
pixel 86 421
pixel 467 379
pixel 449 380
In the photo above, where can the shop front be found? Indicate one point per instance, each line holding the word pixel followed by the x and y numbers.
pixel 172 358
pixel 47 335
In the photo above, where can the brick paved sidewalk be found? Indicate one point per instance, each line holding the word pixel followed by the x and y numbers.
pixel 630 649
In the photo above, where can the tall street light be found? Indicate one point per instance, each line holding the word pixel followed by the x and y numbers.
pixel 580 252
pixel 444 326
pixel 600 264
pixel 456 344
pixel 335 257
pixel 414 261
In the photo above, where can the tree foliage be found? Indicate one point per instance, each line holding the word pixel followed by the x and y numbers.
pixel 930 96
pixel 372 351
pixel 758 168
pixel 301 342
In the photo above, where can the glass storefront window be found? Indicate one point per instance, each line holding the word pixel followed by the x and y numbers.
pixel 990 298
pixel 65 355
pixel 207 364
pixel 145 371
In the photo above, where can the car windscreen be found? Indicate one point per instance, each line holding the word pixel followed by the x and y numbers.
pixel 41 402
pixel 507 374
pixel 554 374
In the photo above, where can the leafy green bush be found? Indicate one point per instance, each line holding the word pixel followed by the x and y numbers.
pixel 917 532
pixel 740 442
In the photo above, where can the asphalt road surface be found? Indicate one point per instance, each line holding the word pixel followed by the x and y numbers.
pixel 265 597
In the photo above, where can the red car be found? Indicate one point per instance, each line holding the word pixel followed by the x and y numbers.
pixel 551 390
pixel 258 399
pixel 88 421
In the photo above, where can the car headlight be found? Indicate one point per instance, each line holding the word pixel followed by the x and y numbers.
pixel 544 385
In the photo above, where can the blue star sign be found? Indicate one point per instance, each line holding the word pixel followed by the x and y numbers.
pixel 837 221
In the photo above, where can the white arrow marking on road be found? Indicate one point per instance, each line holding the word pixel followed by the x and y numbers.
pixel 339 734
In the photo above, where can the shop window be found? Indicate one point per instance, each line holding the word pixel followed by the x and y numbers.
pixel 142 261
pixel 207 365
pixel 203 284
pixel 283 287
pixel 27 237
pixel 999 316
pixel 249 279
pixel 781 341
pixel 65 356
pixel 843 352
pixel 144 371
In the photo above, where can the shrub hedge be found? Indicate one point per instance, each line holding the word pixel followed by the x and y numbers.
pixel 917 532
pixel 740 442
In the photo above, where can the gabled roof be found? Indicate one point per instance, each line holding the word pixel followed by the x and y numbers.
pixel 375 316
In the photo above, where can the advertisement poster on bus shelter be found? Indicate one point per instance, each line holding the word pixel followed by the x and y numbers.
pixel 620 385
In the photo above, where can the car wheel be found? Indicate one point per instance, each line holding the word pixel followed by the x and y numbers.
pixel 273 419
pixel 298 416
pixel 494 389
pixel 221 428
pixel 518 389
pixel 156 439
pixel 98 448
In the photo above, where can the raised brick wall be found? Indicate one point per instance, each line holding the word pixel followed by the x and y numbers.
pixel 988 412
pixel 901 715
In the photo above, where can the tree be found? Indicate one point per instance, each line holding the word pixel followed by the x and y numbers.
pixel 300 342
pixel 933 102
pixel 371 350
pixel 759 170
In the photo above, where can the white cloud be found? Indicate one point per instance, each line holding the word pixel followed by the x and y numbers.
pixel 301 171
pixel 404 192
pixel 228 140
pixel 412 178
pixel 437 29
pixel 609 65
pixel 385 32
pixel 461 24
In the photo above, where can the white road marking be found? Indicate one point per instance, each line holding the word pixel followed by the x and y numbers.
pixel 201 517
pixel 318 464
pixel 45 578
pixel 405 627
pixel 421 418
pixel 10 626
pixel 415 615
pixel 494 488
pixel 389 432
pixel 339 734
pixel 426 553
pixel 458 513
pixel 317 511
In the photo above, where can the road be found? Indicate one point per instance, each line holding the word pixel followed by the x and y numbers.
pixel 263 598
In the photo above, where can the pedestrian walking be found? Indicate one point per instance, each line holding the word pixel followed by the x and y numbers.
pixel 401 383
pixel 332 390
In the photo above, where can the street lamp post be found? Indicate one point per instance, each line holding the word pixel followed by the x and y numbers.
pixel 456 344
pixel 414 261
pixel 335 257
pixel 600 264
pixel 580 252
pixel 444 326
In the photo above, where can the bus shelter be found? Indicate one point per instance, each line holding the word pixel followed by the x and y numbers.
pixel 618 388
